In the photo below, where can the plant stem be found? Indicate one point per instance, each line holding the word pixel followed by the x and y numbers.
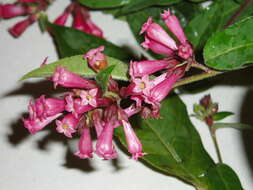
pixel 200 66
pixel 213 134
pixel 197 77
pixel 243 6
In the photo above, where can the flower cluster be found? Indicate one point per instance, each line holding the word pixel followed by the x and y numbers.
pixel 32 8
pixel 152 92
pixel 157 39
pixel 28 8
pixel 85 106
pixel 81 20
pixel 82 108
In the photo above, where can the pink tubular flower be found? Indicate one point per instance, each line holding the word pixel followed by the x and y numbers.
pixel 174 25
pixel 133 143
pixel 68 79
pixel 85 143
pixel 96 59
pixel 62 19
pixel 97 121
pixel 12 10
pixel 131 110
pixel 141 68
pixel 83 22
pixel 104 146
pixel 139 86
pixel 67 125
pixel 79 19
pixel 158 34
pixel 161 90
pixel 21 26
pixel 36 124
pixel 45 107
pixel 89 97
pixel 75 106
pixel 156 47
pixel 94 29
pixel 185 50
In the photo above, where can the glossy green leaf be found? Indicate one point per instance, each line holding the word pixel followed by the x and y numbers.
pixel 141 4
pixel 231 48
pixel 73 42
pixel 103 3
pixel 232 125
pixel 222 177
pixel 102 77
pixel 79 66
pixel 172 143
pixel 222 115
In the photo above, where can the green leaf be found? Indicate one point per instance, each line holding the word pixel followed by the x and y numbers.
pixel 203 25
pixel 74 42
pixel 43 22
pixel 222 115
pixel 79 66
pixel 232 125
pixel 186 11
pixel 103 76
pixel 141 4
pixel 231 48
pixel 172 143
pixel 174 147
pixel 102 4
pixel 222 177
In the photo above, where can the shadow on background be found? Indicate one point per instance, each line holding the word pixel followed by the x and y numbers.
pixel 36 89
pixel 247 118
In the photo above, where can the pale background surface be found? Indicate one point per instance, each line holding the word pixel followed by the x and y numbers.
pixel 27 164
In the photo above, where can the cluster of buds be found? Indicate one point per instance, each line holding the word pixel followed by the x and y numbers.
pixel 205 110
pixel 81 20
pixel 86 106
pixel 149 93
pixel 29 8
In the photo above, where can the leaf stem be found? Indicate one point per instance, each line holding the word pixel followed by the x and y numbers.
pixel 213 134
pixel 198 77
pixel 243 6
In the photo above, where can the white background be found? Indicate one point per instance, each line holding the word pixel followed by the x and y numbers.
pixel 40 162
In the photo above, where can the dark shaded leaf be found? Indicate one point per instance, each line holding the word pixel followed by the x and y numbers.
pixel 73 42
pixel 96 4
pixel 141 4
pixel 203 25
